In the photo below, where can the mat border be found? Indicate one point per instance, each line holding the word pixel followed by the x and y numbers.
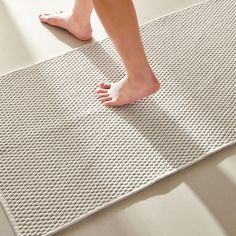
pixel 76 220
pixel 203 157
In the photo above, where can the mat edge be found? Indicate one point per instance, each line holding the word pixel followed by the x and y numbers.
pixel 10 217
pixel 143 187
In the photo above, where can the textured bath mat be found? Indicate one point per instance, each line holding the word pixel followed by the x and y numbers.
pixel 64 156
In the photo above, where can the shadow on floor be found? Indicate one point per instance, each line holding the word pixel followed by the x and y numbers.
pixel 14 50
pixel 65 37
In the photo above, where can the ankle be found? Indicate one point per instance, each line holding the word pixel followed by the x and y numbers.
pixel 80 20
pixel 144 73
pixel 144 79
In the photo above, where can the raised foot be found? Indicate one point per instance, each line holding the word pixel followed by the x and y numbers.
pixel 81 30
pixel 126 91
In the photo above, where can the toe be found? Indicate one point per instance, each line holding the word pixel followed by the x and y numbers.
pixel 56 18
pixel 101 91
pixel 104 85
pixel 105 99
pixel 103 95
pixel 109 103
pixel 43 14
pixel 115 103
pixel 48 14
pixel 43 17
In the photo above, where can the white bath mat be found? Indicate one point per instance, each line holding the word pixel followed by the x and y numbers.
pixel 63 156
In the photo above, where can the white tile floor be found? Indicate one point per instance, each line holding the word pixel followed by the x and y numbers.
pixel 199 201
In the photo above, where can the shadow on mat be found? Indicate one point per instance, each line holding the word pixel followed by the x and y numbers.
pixel 98 56
pixel 211 186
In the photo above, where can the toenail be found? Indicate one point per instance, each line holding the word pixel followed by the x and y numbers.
pixel 106 84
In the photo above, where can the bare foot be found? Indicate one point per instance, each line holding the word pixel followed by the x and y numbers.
pixel 80 30
pixel 127 91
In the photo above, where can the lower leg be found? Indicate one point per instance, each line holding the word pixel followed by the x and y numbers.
pixel 120 21
pixel 82 11
pixel 77 22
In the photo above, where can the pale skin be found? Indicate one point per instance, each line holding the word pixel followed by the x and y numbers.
pixel 120 22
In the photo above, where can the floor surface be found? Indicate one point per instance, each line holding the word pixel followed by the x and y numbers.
pixel 198 201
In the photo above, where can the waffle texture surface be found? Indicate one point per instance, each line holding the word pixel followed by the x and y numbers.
pixel 63 156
